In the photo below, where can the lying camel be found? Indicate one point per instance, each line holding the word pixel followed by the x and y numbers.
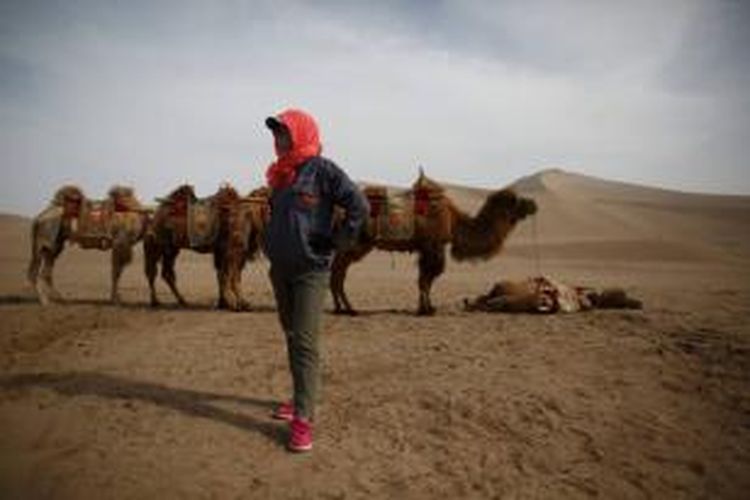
pixel 544 295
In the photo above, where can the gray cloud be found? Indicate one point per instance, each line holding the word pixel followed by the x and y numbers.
pixel 712 57
pixel 157 93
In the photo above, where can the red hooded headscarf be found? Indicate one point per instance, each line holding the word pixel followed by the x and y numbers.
pixel 305 145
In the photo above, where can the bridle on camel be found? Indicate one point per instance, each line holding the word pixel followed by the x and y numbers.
pixel 535 244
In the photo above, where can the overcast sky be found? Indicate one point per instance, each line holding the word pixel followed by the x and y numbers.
pixel 156 93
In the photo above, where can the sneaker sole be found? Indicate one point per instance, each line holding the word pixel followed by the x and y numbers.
pixel 299 449
pixel 285 418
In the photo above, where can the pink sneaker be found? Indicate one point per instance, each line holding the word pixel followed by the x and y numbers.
pixel 300 437
pixel 285 411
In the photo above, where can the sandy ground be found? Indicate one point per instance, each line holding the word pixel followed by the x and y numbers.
pixel 99 401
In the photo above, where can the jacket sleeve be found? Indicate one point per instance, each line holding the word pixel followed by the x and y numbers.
pixel 347 195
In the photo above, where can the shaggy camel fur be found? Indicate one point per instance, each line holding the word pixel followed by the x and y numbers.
pixel 116 224
pixel 433 221
pixel 246 236
pixel 225 225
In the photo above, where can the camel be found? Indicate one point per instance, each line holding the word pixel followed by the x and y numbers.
pixel 545 295
pixel 425 220
pixel 115 224
pixel 225 225
pixel 246 238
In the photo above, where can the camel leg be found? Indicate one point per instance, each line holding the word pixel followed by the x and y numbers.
pixel 122 255
pixel 229 276
pixel 40 286
pixel 167 273
pixel 431 265
pixel 151 254
pixel 235 284
pixel 235 258
pixel 221 281
pixel 32 274
pixel 341 263
pixel 48 292
pixel 339 268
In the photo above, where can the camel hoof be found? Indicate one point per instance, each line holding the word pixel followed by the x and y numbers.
pixel 426 311
pixel 345 312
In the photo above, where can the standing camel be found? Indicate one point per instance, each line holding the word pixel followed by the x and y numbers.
pixel 221 224
pixel 116 224
pixel 245 237
pixel 425 220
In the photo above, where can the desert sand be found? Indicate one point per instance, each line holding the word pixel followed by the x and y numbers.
pixel 98 401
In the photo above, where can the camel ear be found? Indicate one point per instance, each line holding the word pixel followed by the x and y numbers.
pixel 528 206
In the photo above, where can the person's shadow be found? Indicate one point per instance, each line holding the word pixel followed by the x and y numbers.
pixel 187 401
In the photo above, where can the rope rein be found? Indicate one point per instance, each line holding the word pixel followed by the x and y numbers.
pixel 535 244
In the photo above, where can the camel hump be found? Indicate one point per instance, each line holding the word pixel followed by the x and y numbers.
pixel 226 197
pixel 375 192
pixel 123 198
pixel 184 191
pixel 261 192
pixel 68 194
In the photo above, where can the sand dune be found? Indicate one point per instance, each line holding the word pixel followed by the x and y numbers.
pixel 583 217
pixel 127 402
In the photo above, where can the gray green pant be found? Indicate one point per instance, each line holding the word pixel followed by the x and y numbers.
pixel 299 300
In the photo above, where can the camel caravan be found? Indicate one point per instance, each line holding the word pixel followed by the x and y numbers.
pixel 225 225
pixel 230 227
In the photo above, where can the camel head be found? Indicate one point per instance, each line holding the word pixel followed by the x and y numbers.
pixel 508 204
pixel 482 236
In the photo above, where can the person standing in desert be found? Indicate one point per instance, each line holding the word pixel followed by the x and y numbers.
pixel 300 241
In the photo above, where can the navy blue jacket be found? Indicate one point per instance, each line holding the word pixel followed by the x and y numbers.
pixel 299 236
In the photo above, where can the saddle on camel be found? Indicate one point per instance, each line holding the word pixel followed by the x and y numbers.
pixel 224 224
pixel 425 220
pixel 115 223
pixel 545 295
